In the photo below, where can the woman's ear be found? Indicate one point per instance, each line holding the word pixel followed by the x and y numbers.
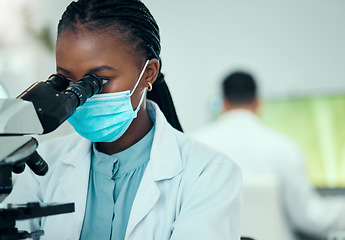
pixel 152 71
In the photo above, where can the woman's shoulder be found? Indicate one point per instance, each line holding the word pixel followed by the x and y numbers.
pixel 197 155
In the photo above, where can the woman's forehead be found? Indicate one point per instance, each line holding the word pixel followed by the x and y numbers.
pixel 88 38
pixel 91 44
pixel 82 50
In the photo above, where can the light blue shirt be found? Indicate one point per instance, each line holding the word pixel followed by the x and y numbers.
pixel 114 181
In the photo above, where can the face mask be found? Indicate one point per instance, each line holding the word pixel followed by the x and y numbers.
pixel 106 117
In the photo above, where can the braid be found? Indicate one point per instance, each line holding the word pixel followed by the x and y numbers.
pixel 161 95
pixel 137 28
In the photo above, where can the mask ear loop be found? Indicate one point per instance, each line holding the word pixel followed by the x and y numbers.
pixel 141 101
pixel 141 74
pixel 143 96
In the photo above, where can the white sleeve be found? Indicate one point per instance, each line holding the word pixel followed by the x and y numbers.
pixel 308 211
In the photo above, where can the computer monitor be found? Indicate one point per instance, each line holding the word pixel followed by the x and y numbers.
pixel 317 124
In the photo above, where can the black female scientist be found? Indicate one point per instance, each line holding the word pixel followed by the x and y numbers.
pixel 130 170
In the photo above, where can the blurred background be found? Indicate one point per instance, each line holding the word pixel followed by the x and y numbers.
pixel 295 49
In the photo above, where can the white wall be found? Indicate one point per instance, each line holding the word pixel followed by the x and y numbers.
pixel 293 47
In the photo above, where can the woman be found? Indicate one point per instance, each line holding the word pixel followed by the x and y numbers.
pixel 130 170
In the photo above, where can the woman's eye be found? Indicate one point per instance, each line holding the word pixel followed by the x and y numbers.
pixel 104 80
pixel 70 82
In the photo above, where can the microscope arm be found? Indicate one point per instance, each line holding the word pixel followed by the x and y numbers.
pixel 18 118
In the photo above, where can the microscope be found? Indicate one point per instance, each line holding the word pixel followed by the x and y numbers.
pixel 40 109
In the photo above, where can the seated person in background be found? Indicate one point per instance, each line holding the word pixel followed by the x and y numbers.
pixel 257 149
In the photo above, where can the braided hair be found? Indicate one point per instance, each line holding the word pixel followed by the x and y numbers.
pixel 136 27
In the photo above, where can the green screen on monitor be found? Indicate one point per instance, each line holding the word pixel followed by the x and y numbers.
pixel 316 124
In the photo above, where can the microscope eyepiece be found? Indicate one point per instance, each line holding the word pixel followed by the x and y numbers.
pixel 58 82
pixel 55 100
pixel 86 87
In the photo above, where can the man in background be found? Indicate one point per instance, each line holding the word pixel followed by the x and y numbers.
pixel 261 151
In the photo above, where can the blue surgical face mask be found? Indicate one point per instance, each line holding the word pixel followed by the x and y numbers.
pixel 106 117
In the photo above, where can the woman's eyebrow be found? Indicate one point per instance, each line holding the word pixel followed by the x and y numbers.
pixel 101 68
pixel 62 69
pixel 97 69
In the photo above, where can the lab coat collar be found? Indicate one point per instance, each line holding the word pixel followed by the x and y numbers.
pixel 240 114
pixel 165 160
pixel 74 189
pixel 73 157
pixel 165 163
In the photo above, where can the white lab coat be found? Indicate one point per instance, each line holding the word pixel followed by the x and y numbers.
pixel 259 150
pixel 187 191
